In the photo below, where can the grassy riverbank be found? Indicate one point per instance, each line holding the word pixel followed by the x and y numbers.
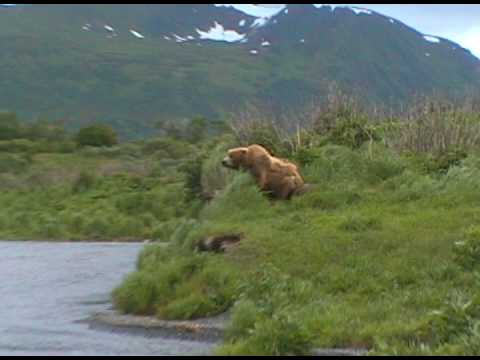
pixel 87 195
pixel 363 261
pixel 382 254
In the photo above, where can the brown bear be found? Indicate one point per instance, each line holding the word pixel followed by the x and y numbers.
pixel 278 177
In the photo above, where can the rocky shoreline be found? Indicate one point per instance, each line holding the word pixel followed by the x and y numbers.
pixel 206 330
pixel 209 330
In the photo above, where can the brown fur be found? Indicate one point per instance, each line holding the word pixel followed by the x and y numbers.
pixel 278 177
pixel 221 243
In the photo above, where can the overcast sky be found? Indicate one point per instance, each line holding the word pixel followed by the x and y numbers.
pixel 459 23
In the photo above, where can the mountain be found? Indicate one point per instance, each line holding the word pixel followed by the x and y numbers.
pixel 132 65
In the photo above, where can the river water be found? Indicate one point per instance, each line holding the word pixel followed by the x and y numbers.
pixel 47 290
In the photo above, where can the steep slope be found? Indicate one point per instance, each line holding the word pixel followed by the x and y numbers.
pixel 131 65
pixel 366 50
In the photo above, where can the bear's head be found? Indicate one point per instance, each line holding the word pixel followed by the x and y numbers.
pixel 236 158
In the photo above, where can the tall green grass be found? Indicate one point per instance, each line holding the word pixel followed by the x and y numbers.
pixel 361 261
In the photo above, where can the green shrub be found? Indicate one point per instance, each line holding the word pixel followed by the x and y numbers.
pixel 138 293
pixel 154 286
pixel 467 252
pixel 454 319
pixel 52 229
pixel 343 121
pixel 351 132
pixel 275 322
pixel 214 177
pixel 76 223
pixel 97 228
pixel 168 148
pixel 10 127
pixel 163 205
pixel 244 316
pixel 164 231
pixel 469 344
pixel 182 236
pixel 64 147
pixel 96 135
pixel 18 145
pixel 133 203
pixel 152 255
pixel 23 219
pixel 306 156
pixel 84 182
pixel 256 128
pixel 441 163
pixel 147 219
pixel 132 227
pixel 12 163
pixel 192 170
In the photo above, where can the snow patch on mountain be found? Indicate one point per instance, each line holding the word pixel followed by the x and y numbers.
pixel 255 11
pixel 259 22
pixel 218 33
pixel 136 34
pixel 358 10
pixel 179 39
pixel 355 9
pixel 262 14
pixel 432 39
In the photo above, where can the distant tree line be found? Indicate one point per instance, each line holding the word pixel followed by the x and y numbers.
pixel 192 131
pixel 12 128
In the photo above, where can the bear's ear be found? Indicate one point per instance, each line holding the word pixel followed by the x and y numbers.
pixel 244 151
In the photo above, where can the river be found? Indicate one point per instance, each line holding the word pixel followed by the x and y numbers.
pixel 47 290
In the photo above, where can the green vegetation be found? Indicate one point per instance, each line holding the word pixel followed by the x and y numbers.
pixel 97 135
pixel 59 71
pixel 382 254
pixel 60 186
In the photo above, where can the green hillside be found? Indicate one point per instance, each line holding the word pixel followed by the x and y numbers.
pixel 51 68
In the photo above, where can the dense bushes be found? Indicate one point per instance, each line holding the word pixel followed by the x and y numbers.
pixel 97 135
pixel 84 181
pixel 12 162
pixel 10 127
